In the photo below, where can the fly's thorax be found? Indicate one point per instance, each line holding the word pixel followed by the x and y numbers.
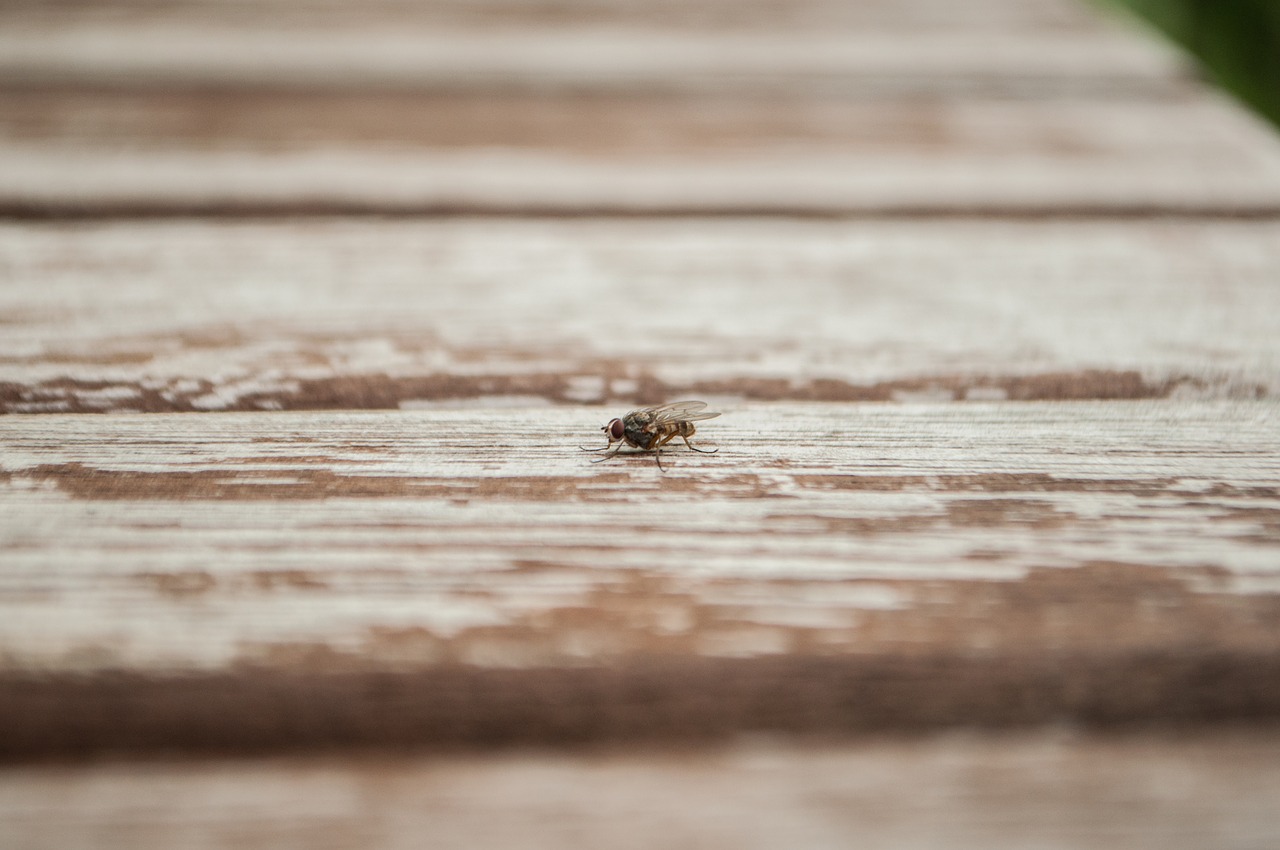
pixel 633 427
pixel 639 432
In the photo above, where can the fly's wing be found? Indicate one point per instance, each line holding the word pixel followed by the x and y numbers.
pixel 682 411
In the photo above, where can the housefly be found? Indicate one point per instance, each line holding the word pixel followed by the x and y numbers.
pixel 651 428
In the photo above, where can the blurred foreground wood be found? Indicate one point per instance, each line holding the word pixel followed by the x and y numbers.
pixel 1051 790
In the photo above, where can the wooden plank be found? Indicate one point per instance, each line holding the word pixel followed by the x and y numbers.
pixel 592 59
pixel 451 570
pixel 154 110
pixel 1050 791
pixel 833 568
pixel 705 15
pixel 585 45
pixel 348 314
pixel 574 155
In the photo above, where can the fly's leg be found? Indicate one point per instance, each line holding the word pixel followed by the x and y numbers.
pixel 687 430
pixel 605 449
pixel 657 450
pixel 604 457
pixel 695 448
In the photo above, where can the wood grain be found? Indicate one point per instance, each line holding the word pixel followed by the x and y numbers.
pixel 986 564
pixel 612 109
pixel 590 45
pixel 560 155
pixel 986 294
pixel 199 316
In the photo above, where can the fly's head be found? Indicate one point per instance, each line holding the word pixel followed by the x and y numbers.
pixel 614 430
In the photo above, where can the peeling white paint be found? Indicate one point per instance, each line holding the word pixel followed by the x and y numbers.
pixel 1175 486
pixel 1182 283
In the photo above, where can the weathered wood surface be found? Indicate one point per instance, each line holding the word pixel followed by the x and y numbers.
pixel 812 158
pixel 719 46
pixel 359 515
pixel 1056 792
pixel 833 567
pixel 579 46
pixel 805 108
pixel 199 316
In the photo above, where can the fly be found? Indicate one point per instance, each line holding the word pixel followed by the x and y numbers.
pixel 651 428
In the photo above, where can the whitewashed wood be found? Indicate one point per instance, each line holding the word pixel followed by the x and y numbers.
pixel 456 572
pixel 175 543
pixel 215 316
pixel 1046 791
pixel 986 15
pixel 598 107
pixel 828 157
pixel 590 58
pixel 581 45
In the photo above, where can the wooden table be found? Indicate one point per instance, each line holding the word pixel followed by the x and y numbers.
pixel 306 309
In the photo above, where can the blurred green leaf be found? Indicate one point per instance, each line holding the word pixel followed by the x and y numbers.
pixel 1238 42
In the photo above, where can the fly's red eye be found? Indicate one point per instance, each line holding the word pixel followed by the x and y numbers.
pixel 615 429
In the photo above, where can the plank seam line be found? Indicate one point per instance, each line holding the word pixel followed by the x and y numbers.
pixel 20 211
